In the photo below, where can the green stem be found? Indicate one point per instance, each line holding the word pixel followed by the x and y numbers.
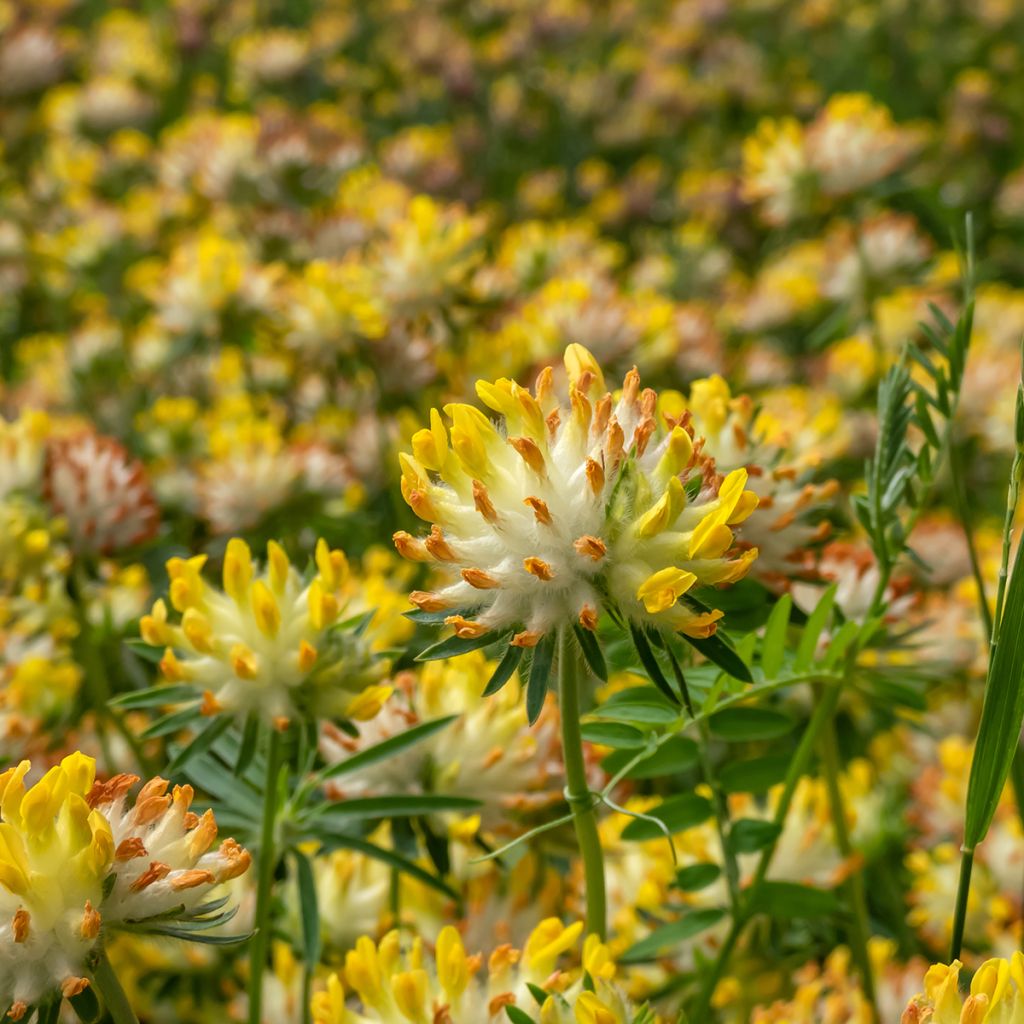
pixel 260 941
pixel 960 912
pixel 109 987
pixel 577 791
pixel 854 885
pixel 307 994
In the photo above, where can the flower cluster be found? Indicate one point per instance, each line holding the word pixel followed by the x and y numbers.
pixel 268 642
pixel 76 859
pixel 575 507
pixel 396 985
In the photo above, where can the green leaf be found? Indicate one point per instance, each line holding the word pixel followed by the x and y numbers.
pixel 155 696
pixel 453 646
pixel 638 704
pixel 650 663
pixel 677 813
pixel 173 722
pixel 540 670
pixel 748 835
pixel 749 723
pixel 395 860
pixel 840 643
pixel 187 935
pixel 200 743
pixel 757 775
pixel 394 806
pixel 503 673
pixel 517 1016
pixel 592 652
pixel 787 900
pixel 1002 713
pixel 773 646
pixel 309 911
pixel 250 740
pixel 434 618
pixel 716 650
pixel 812 631
pixel 676 754
pixel 613 734
pixel 145 651
pixel 539 995
pixel 86 1006
pixel 697 876
pixel 390 747
pixel 663 939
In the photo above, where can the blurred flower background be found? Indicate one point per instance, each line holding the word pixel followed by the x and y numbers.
pixel 250 250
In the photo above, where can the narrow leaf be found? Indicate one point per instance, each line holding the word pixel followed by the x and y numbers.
pixel 395 860
pixel 540 670
pixel 455 645
pixel 155 696
pixel 308 909
pixel 773 647
pixel 1002 713
pixel 503 673
pixel 671 936
pixel 812 631
pixel 592 652
pixel 173 722
pixel 387 748
pixel 716 650
pixel 200 743
pixel 650 663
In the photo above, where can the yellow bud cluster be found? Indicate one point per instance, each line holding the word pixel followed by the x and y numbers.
pixel 259 641
pixel 407 986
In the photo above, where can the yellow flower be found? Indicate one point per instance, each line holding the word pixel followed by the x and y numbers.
pixel 265 643
pixel 397 985
pixel 996 995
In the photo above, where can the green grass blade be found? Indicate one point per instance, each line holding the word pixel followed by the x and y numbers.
pixel 1001 716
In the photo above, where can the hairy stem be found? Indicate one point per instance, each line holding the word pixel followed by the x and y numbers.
pixel 577 791
pixel 260 941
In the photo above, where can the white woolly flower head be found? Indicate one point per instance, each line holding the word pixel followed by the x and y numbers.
pixel 571 507
pixel 164 855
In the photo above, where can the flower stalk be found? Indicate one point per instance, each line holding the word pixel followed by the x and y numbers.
pixel 260 941
pixel 577 792
pixel 114 998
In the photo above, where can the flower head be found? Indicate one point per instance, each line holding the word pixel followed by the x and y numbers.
pixel 397 986
pixel 101 491
pixel 267 641
pixel 74 858
pixel 996 994
pixel 575 506
pixel 55 852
